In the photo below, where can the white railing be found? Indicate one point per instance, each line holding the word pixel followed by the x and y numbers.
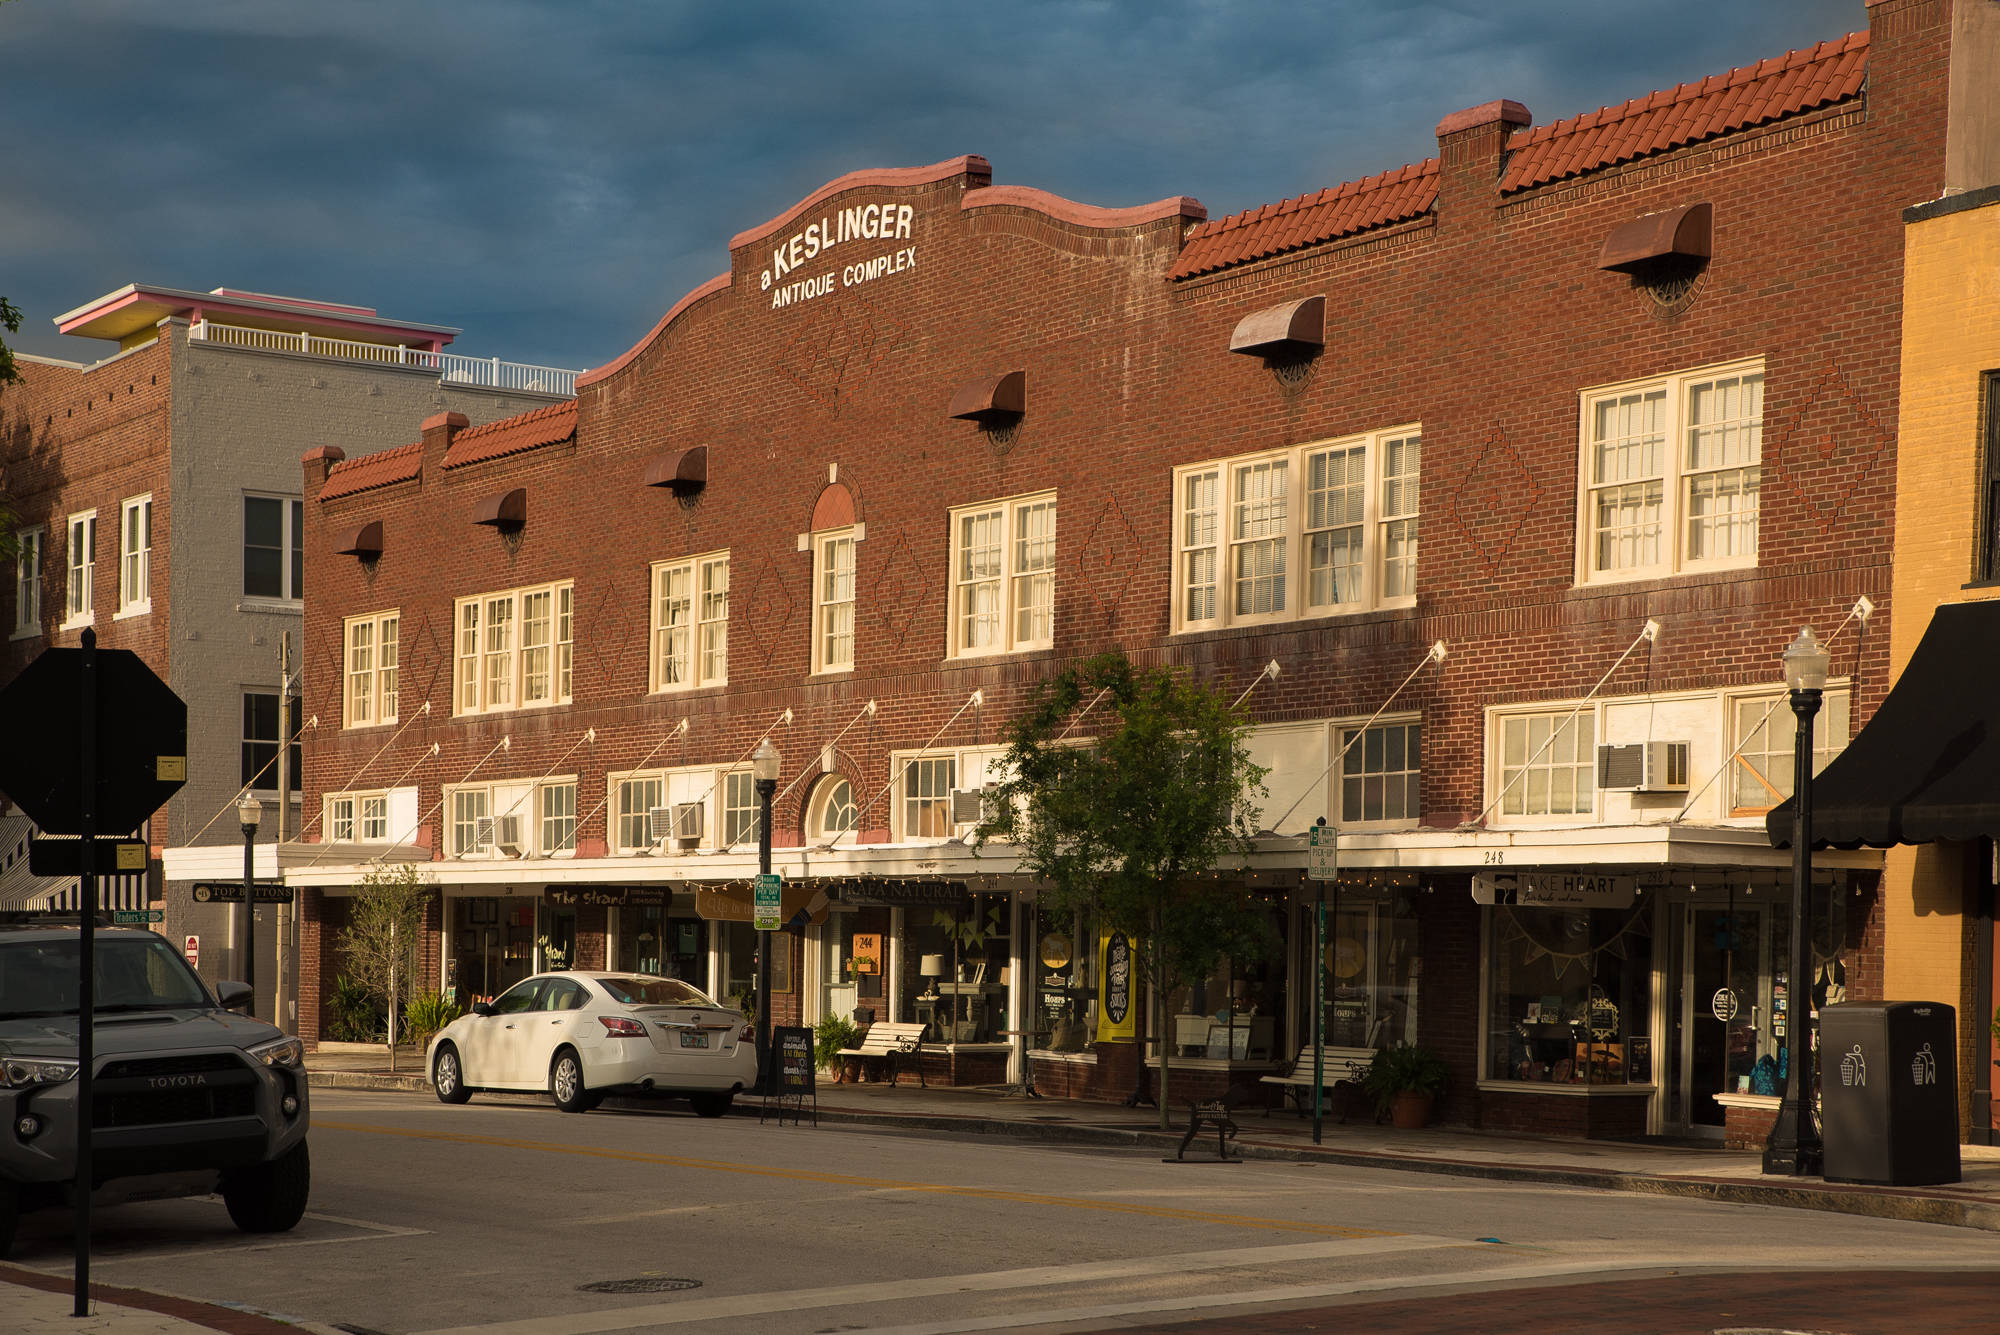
pixel 490 372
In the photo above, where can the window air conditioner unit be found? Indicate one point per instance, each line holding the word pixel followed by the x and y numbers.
pixel 507 836
pixel 482 834
pixel 970 806
pixel 1643 767
pixel 659 827
pixel 688 823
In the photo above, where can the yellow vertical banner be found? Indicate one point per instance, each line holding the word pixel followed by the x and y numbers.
pixel 1116 1021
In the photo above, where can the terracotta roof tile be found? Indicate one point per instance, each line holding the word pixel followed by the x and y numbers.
pixel 1343 210
pixel 1749 95
pixel 379 469
pixel 513 435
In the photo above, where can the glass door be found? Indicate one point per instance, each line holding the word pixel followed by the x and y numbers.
pixel 1732 1013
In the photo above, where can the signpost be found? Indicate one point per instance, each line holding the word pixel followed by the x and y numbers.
pixel 769 906
pixel 1322 865
pixel 98 743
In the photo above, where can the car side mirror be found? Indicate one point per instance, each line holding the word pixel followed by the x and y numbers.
pixel 233 996
pixel 482 1008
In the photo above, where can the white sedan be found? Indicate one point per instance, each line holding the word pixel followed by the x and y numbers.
pixel 584 1034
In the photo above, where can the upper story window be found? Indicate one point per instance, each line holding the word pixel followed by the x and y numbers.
pixel 683 809
pixel 1379 773
pixel 370 817
pixel 1336 770
pixel 1987 558
pixel 1003 575
pixel 514 649
pixel 531 818
pixel 28 582
pixel 1765 733
pixel 260 743
pixel 932 788
pixel 1547 763
pixel 372 655
pixel 741 811
pixel 274 551
pixel 833 810
pixel 82 556
pixel 1671 471
pixel 1315 530
pixel 690 622
pixel 135 556
pixel 833 600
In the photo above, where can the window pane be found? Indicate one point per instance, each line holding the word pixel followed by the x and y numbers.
pixel 263 547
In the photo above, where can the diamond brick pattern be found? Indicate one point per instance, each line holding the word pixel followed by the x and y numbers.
pixel 1494 501
pixel 766 616
pixel 1108 559
pixel 901 592
pixel 1835 440
pixel 837 349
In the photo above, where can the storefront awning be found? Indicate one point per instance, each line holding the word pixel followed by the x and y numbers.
pixel 1927 765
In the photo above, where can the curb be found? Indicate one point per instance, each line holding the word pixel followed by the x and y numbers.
pixel 1832 1198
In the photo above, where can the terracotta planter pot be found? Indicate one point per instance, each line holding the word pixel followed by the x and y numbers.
pixel 850 1070
pixel 1411 1111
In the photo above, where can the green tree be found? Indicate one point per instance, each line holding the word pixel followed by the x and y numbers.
pixel 1129 824
pixel 379 944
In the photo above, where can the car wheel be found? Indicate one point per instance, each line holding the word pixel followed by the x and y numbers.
pixel 449 1077
pixel 269 1197
pixel 10 1211
pixel 566 1083
pixel 711 1105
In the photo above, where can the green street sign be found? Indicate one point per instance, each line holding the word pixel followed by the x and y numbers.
pixel 767 905
pixel 130 917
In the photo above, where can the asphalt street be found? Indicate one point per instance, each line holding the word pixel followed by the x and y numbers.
pixel 506 1217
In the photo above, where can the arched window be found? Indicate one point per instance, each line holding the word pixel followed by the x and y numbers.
pixel 833 809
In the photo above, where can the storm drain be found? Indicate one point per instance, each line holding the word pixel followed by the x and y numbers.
pixel 643 1284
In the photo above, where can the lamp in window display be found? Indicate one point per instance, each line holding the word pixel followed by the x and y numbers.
pixel 1794 1146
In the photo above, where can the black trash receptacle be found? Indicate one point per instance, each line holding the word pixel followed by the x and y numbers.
pixel 1889 1092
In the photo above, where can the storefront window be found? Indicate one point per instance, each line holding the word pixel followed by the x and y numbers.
pixel 1570 999
pixel 664 938
pixel 1373 968
pixel 1230 1015
pixel 739 966
pixel 962 954
pixel 1065 1007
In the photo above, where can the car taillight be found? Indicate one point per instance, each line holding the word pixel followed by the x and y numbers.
pixel 619 1027
pixel 749 1034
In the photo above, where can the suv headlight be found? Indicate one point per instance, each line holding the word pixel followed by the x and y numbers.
pixel 20 1072
pixel 282 1052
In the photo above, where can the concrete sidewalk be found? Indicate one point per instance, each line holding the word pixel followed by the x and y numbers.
pixel 1659 1170
pixel 32 1303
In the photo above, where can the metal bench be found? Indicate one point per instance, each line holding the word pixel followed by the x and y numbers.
pixel 894 1042
pixel 1342 1068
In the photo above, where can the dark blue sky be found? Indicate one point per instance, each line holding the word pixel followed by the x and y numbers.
pixel 552 176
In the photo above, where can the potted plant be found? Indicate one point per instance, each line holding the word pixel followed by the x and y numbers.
pixel 1404 1080
pixel 830 1036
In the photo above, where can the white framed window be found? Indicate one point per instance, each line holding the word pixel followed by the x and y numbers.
pixel 28 582
pixel 926 796
pixel 373 652
pixel 366 817
pixel 690 622
pixel 135 556
pixel 1546 763
pixel 634 795
pixel 833 810
pixel 1380 773
pixel 637 795
pixel 1763 733
pixel 1315 530
pixel 513 649
pixel 274 552
pixel 833 600
pixel 1003 576
pixel 741 811
pixel 471 822
pixel 556 811
pixel 1670 474
pixel 81 554
pixel 513 819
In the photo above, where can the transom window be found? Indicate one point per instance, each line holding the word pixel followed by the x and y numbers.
pixel 514 649
pixel 28 582
pixel 690 622
pixel 82 555
pixel 1312 531
pixel 1761 773
pixel 1671 472
pixel 135 556
pixel 833 600
pixel 1003 581
pixel 372 657
pixel 1548 763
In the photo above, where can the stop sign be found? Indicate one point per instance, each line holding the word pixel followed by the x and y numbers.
pixel 141 741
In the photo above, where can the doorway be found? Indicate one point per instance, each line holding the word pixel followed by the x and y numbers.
pixel 1730 1021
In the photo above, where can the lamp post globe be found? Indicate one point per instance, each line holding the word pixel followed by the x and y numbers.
pixel 1794 1147
pixel 764 765
pixel 249 812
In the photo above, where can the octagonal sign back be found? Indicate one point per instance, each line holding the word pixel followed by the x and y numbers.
pixel 141 741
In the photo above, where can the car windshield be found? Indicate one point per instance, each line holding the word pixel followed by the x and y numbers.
pixel 653 991
pixel 133 973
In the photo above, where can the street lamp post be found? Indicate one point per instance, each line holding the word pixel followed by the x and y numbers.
pixel 1794 1147
pixel 764 762
pixel 249 811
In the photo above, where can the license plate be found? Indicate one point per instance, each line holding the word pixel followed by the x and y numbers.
pixel 693 1040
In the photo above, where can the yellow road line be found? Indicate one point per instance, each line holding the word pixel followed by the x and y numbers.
pixel 871 1183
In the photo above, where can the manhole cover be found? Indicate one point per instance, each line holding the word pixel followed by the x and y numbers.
pixel 643 1284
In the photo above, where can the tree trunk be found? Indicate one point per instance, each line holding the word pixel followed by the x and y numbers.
pixel 394 960
pixel 1160 1016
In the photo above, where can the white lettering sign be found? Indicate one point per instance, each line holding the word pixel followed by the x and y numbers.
pixel 1554 889
pixel 863 222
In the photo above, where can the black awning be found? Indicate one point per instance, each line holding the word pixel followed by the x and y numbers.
pixel 1927 765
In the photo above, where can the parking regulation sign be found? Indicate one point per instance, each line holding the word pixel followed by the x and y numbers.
pixel 1320 854
pixel 768 909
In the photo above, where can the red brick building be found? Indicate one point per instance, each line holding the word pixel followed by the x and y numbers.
pixel 1632 376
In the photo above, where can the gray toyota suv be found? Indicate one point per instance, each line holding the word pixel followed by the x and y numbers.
pixel 188 1096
